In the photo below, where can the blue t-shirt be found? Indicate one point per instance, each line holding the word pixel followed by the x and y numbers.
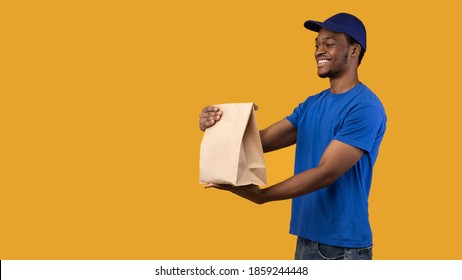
pixel 337 215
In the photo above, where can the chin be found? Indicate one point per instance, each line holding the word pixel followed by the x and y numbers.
pixel 323 75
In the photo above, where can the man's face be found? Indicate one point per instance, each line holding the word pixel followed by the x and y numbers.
pixel 332 54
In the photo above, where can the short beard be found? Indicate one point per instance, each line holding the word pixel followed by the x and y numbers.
pixel 325 75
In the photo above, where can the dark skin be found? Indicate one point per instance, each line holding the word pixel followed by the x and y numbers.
pixel 338 61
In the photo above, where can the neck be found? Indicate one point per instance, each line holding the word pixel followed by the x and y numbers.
pixel 344 83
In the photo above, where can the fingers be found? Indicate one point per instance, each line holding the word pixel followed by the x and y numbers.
pixel 211 185
pixel 204 124
pixel 209 116
pixel 210 109
pixel 218 186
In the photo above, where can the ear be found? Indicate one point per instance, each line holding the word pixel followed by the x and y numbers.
pixel 356 50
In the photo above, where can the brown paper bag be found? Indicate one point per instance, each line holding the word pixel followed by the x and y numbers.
pixel 231 150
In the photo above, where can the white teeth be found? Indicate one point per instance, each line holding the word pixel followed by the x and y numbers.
pixel 323 60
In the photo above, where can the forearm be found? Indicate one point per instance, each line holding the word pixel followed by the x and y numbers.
pixel 279 135
pixel 298 185
pixel 336 160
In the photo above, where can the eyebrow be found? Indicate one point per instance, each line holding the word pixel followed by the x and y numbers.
pixel 325 38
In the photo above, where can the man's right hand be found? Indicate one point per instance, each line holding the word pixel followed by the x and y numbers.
pixel 209 116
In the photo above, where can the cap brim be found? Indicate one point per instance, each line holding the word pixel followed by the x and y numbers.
pixel 316 26
pixel 313 25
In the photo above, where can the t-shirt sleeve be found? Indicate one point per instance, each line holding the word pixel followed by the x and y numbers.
pixel 361 127
pixel 295 116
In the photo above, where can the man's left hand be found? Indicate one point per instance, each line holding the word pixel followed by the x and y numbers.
pixel 250 192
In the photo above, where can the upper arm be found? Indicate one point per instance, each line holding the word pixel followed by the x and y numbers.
pixel 358 135
pixel 279 135
pixel 338 158
pixel 362 127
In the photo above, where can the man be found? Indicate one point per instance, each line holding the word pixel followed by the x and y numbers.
pixel 338 133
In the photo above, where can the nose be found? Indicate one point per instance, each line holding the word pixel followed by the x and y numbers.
pixel 319 50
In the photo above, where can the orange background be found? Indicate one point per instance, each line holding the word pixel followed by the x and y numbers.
pixel 99 125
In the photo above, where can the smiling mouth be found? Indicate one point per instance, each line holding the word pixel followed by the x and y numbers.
pixel 322 62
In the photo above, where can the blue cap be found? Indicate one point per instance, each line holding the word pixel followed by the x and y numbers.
pixel 342 23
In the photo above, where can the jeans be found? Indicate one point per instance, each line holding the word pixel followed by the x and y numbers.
pixel 311 250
